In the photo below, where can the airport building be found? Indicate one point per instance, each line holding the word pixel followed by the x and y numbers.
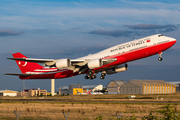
pixel 8 93
pixel 147 87
pixel 74 89
pixel 63 90
pixel 32 92
pixel 114 86
pixel 178 87
pixel 177 83
pixel 36 92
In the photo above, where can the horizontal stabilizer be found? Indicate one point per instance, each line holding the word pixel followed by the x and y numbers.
pixel 32 60
pixel 18 74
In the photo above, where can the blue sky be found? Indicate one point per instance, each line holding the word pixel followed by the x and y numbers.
pixel 71 29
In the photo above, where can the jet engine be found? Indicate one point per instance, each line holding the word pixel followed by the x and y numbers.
pixel 63 63
pixel 117 69
pixel 95 63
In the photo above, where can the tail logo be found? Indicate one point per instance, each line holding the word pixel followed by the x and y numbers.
pixel 21 63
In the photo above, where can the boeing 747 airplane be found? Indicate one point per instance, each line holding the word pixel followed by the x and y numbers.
pixel 109 61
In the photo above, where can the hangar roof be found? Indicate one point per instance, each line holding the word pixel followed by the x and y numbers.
pixel 116 83
pixel 8 91
pixel 141 82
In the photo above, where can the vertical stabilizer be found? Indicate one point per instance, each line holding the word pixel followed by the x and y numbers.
pixel 25 66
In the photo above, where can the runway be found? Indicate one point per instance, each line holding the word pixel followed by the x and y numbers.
pixel 86 101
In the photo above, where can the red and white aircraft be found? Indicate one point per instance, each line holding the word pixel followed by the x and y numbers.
pixel 109 61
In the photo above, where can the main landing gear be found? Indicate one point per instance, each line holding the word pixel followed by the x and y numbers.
pixel 160 57
pixel 103 74
pixel 91 75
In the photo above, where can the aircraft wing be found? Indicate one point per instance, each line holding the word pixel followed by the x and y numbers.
pixel 43 60
pixel 54 60
pixel 80 65
pixel 18 74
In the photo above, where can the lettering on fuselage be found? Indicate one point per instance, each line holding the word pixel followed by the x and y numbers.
pixel 134 43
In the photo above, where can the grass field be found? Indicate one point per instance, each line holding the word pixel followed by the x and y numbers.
pixel 84 110
pixel 153 97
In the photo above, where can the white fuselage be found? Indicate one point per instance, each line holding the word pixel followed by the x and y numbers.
pixel 129 46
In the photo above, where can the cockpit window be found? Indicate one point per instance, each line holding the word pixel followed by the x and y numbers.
pixel 160 35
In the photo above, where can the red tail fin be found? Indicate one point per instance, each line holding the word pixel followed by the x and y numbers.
pixel 25 66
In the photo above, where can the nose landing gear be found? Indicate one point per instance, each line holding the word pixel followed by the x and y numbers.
pixel 160 57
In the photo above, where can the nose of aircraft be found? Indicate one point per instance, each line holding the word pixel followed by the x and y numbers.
pixel 172 39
